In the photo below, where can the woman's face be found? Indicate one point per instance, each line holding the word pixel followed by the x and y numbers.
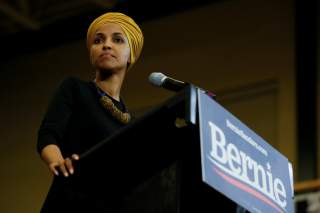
pixel 109 49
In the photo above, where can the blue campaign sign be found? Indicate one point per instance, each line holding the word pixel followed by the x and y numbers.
pixel 240 164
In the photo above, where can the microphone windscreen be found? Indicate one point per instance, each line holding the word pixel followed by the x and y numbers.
pixel 156 78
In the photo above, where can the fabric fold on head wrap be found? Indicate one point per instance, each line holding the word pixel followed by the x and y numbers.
pixel 129 27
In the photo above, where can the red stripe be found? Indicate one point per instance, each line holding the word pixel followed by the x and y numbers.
pixel 247 189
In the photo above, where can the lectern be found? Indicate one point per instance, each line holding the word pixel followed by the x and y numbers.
pixel 156 163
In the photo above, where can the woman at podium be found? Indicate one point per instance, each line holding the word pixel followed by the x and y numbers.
pixel 81 113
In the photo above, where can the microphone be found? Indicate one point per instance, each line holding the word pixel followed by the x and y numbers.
pixel 160 80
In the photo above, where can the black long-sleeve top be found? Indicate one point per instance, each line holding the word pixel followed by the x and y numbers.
pixel 75 121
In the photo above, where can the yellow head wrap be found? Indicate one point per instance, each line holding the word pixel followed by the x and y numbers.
pixel 129 27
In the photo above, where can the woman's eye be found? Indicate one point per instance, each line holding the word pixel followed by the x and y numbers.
pixel 97 40
pixel 118 40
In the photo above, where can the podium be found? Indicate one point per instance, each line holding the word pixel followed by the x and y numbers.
pixel 154 164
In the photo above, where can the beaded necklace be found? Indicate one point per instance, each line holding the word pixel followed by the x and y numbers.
pixel 107 103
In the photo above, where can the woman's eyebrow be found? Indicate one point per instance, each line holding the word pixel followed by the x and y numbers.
pixel 98 34
pixel 117 33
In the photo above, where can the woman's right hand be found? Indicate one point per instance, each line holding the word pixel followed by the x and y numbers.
pixel 52 156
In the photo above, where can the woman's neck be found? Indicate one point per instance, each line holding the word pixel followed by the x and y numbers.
pixel 110 83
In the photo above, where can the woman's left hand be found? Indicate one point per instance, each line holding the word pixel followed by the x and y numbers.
pixel 68 162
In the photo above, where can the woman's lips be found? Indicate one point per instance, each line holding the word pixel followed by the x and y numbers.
pixel 106 55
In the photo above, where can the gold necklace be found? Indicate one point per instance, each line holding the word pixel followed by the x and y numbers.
pixel 107 103
pixel 123 117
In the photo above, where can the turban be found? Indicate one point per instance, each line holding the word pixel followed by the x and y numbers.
pixel 129 27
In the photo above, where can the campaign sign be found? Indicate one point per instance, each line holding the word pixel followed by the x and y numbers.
pixel 240 164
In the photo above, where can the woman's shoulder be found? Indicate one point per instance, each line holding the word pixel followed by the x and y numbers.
pixel 72 81
pixel 72 84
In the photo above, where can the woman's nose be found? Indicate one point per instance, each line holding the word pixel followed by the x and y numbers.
pixel 107 44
